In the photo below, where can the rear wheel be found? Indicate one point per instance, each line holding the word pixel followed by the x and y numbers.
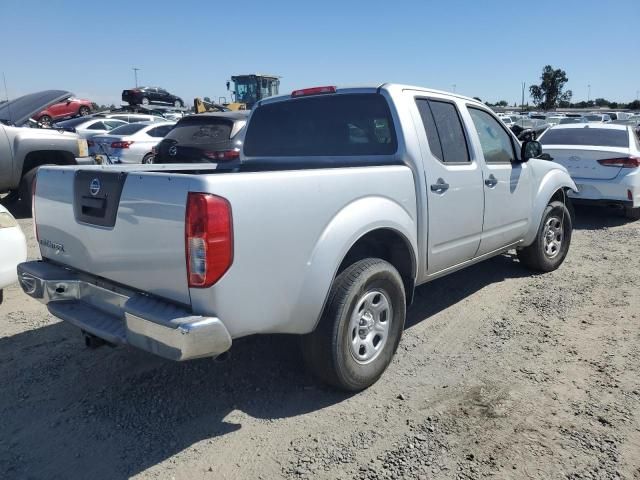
pixel 84 111
pixel 360 328
pixel 25 190
pixel 632 213
pixel 45 120
pixel 148 158
pixel 177 104
pixel 551 245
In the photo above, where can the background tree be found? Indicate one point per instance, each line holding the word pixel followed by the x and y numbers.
pixel 502 103
pixel 601 102
pixel 549 93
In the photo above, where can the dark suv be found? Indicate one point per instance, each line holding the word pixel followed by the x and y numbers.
pixel 151 95
pixel 203 138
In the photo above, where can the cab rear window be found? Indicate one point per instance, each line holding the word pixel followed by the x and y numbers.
pixel 597 137
pixel 328 125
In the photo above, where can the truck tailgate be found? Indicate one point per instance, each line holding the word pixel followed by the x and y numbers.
pixel 125 226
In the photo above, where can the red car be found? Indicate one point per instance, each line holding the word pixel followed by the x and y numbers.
pixel 71 107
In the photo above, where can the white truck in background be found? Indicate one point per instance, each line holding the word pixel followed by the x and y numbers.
pixel 24 149
pixel 342 202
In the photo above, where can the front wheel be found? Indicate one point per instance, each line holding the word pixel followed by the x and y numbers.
pixel 84 111
pixel 144 101
pixel 551 245
pixel 360 328
pixel 45 120
pixel 148 158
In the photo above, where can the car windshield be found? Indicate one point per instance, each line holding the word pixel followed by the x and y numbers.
pixel 325 125
pixel 128 129
pixel 570 120
pixel 593 117
pixel 599 137
pixel 246 90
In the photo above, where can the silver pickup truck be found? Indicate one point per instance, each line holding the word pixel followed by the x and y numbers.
pixel 342 202
pixel 24 149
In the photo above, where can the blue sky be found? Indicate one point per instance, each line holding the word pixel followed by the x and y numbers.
pixel 486 48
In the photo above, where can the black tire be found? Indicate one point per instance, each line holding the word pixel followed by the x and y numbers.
pixel 632 213
pixel 178 104
pixel 327 350
pixel 83 111
pixel 556 224
pixel 25 190
pixel 45 120
pixel 148 158
pixel 142 101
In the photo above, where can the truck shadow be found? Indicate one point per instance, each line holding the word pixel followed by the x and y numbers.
pixel 113 413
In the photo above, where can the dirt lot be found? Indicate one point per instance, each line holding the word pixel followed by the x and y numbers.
pixel 500 373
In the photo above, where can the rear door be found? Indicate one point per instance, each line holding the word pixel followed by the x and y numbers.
pixel 507 183
pixel 579 149
pixel 455 200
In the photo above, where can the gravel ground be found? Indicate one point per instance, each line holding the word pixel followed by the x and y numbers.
pixel 500 373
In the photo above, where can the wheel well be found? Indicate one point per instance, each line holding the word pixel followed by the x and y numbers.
pixel 46 157
pixel 561 196
pixel 388 245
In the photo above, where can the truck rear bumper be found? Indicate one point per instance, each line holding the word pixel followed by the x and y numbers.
pixel 122 316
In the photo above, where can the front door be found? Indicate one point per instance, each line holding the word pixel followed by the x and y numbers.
pixel 454 186
pixel 506 182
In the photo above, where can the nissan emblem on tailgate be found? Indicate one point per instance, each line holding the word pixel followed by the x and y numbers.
pixel 94 187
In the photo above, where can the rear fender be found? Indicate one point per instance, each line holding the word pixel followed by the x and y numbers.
pixel 552 181
pixel 347 226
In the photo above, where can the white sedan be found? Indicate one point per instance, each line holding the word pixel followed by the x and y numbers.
pixel 603 160
pixel 13 248
pixel 132 143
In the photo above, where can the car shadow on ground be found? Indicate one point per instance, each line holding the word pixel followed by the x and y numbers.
pixel 595 217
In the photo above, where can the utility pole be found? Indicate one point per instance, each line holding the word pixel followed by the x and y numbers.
pixel 454 87
pixel 588 93
pixel 524 84
pixel 135 75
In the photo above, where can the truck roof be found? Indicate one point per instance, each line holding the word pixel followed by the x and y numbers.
pixel 372 88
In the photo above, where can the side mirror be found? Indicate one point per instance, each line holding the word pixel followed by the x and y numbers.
pixel 530 149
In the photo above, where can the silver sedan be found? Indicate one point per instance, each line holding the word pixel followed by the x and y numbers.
pixel 131 143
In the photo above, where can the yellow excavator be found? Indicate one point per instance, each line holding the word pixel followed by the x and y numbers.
pixel 247 90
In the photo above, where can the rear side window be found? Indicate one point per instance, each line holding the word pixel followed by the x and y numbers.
pixel 128 129
pixel 444 130
pixel 327 125
pixel 97 126
pixel 160 132
pixel 597 137
pixel 201 130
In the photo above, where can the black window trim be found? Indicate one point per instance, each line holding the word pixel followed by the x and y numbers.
pixel 462 124
pixel 516 151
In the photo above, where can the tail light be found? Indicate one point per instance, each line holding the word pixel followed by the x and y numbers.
pixel 121 144
pixel 208 239
pixel 223 155
pixel 313 91
pixel 34 183
pixel 624 162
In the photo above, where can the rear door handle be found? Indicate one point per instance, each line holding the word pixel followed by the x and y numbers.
pixel 440 186
pixel 491 181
